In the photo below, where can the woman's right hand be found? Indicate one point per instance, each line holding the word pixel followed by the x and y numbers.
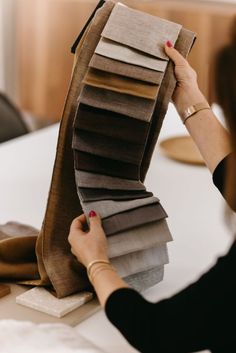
pixel 187 91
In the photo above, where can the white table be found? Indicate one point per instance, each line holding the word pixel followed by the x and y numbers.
pixel 194 205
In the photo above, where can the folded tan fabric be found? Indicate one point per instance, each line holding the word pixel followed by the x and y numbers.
pixel 117 83
pixel 17 252
pixel 114 50
pixel 120 68
pixel 140 30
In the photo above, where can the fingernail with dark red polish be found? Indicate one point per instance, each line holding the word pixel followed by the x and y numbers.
pixel 169 44
pixel 92 214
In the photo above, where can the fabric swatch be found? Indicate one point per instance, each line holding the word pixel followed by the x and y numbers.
pixel 111 124
pixel 63 204
pixel 133 218
pixel 184 44
pixel 135 107
pixel 91 180
pixel 140 261
pixel 140 30
pixel 108 147
pixel 108 208
pixel 121 68
pixel 116 51
pixel 87 194
pixel 146 279
pixel 96 164
pixel 135 239
pixel 121 84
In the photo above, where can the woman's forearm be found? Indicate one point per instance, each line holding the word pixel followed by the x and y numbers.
pixel 211 138
pixel 105 283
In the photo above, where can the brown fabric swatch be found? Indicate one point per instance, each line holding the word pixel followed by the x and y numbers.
pixel 17 252
pixel 184 44
pixel 134 218
pixel 108 147
pixel 140 30
pixel 118 67
pixel 95 181
pixel 18 259
pixel 90 163
pixel 111 124
pixel 121 84
pixel 63 203
pixel 87 194
pixel 135 107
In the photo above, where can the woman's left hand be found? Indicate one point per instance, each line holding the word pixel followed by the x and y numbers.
pixel 91 245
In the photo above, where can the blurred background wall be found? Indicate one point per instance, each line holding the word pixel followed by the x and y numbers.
pixel 38 35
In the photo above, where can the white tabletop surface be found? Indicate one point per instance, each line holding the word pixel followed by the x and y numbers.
pixel 194 205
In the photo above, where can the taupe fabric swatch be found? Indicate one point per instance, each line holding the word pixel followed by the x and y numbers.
pixel 140 30
pixel 106 166
pixel 143 237
pixel 91 180
pixel 121 84
pixel 111 124
pixel 140 261
pixel 118 67
pixel 108 208
pixel 135 107
pixel 108 147
pixel 146 279
pixel 88 195
pixel 116 51
pixel 183 45
pixel 133 218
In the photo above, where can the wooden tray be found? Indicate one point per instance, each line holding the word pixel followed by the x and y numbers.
pixel 182 149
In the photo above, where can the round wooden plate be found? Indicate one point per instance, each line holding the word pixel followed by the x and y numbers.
pixel 182 149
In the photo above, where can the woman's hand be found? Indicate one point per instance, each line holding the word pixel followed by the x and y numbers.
pixel 91 245
pixel 187 91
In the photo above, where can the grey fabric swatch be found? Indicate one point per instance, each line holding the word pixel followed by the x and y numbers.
pixel 90 195
pixel 107 147
pixel 146 279
pixel 140 261
pixel 91 180
pixel 135 239
pixel 135 107
pixel 116 51
pixel 121 68
pixel 109 207
pixel 140 30
pixel 133 218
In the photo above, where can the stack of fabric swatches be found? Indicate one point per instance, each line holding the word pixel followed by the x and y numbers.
pixel 111 129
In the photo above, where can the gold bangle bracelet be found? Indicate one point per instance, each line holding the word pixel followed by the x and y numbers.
pixel 95 262
pixel 99 270
pixel 193 109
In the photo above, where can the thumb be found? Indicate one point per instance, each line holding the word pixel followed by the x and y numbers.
pixel 174 55
pixel 94 220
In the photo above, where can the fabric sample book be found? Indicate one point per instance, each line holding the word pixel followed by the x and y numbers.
pixel 105 145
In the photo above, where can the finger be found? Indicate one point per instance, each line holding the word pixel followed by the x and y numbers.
pixel 78 223
pixel 174 55
pixel 94 220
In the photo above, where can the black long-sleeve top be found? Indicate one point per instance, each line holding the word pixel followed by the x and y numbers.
pixel 202 316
